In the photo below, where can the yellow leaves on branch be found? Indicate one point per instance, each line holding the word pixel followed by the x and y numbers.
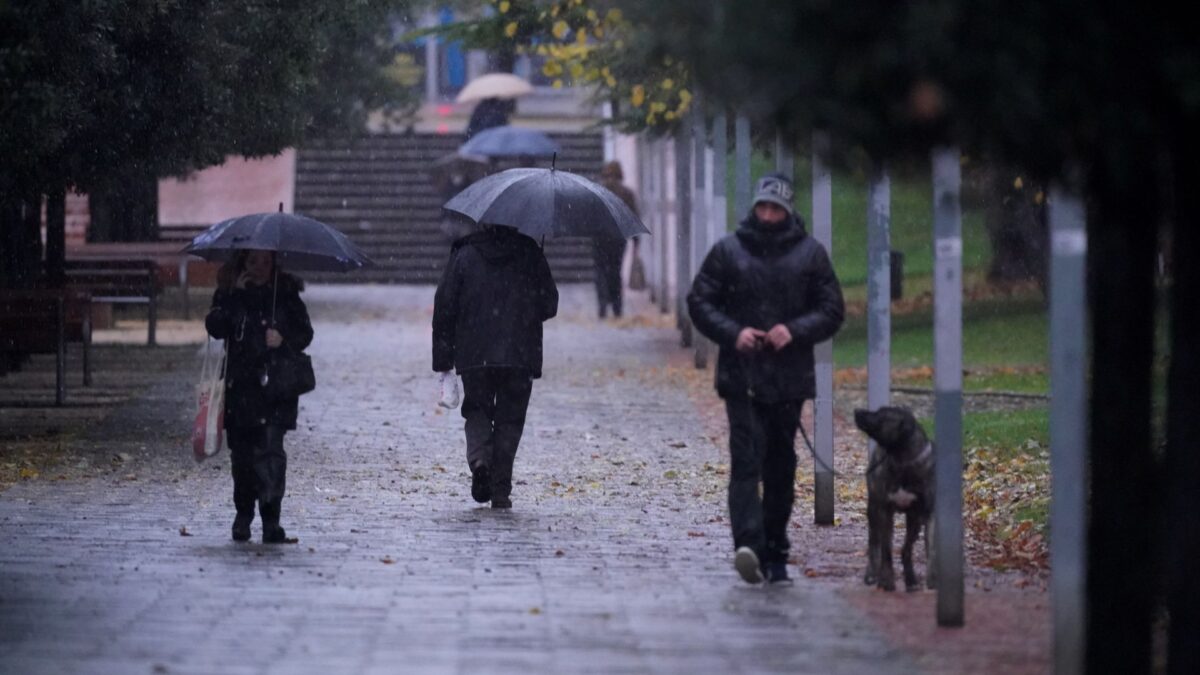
pixel 638 96
pixel 503 7
pixel 510 30
pixel 560 29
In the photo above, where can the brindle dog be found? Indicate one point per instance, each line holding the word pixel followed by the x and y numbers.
pixel 900 477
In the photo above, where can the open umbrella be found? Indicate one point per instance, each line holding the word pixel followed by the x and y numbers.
pixel 494 85
pixel 547 203
pixel 509 141
pixel 300 243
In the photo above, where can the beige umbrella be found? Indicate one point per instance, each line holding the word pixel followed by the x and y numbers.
pixel 494 85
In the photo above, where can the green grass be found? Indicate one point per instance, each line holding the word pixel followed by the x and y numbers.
pixel 1009 432
pixel 996 332
pixel 911 224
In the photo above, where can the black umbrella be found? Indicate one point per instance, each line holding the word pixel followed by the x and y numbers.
pixel 547 203
pixel 508 141
pixel 300 243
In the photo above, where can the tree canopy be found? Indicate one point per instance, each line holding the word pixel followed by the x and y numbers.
pixel 167 86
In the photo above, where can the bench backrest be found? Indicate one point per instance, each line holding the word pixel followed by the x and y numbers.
pixel 114 278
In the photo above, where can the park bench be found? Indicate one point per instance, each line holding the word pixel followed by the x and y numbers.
pixel 43 322
pixel 119 282
pixel 175 268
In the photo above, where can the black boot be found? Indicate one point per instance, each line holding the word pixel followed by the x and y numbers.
pixel 241 525
pixel 481 483
pixel 502 484
pixel 273 532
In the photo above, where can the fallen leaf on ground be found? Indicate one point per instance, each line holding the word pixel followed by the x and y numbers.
pixel 184 533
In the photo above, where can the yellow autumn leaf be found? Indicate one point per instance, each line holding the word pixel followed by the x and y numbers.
pixel 551 68
pixel 1018 183
pixel 670 115
pixel 504 5
pixel 511 29
pixel 598 31
pixel 610 81
pixel 560 29
pixel 593 16
pixel 576 70
pixel 685 97
pixel 637 96
pixel 1039 198
pixel 668 84
pixel 558 84
pixel 613 15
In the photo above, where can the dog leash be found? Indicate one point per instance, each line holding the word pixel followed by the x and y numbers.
pixel 746 363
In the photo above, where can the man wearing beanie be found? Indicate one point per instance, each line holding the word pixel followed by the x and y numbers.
pixel 765 295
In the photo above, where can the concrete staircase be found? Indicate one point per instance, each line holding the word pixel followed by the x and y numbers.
pixel 376 190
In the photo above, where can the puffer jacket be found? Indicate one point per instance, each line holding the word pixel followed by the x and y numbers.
pixel 490 304
pixel 241 318
pixel 759 277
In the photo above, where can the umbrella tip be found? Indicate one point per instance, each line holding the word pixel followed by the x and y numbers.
pixel 281 207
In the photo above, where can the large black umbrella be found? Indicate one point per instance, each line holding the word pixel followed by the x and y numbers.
pixel 300 243
pixel 547 203
pixel 508 141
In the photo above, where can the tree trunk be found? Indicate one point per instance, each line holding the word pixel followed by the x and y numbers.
pixel 1016 224
pixel 125 209
pixel 20 241
pixel 1122 560
pixel 1182 521
pixel 56 236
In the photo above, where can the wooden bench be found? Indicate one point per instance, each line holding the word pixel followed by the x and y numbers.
pixel 175 268
pixel 43 322
pixel 119 282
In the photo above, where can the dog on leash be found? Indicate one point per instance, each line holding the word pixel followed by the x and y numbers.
pixel 900 478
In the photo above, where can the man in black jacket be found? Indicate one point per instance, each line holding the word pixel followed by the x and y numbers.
pixel 765 295
pixel 487 324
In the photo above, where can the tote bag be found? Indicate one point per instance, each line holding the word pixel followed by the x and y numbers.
pixel 208 429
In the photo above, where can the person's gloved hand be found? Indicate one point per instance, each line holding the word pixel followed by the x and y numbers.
pixel 449 382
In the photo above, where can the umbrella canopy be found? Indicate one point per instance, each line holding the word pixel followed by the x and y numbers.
pixel 547 203
pixel 509 141
pixel 451 173
pixel 494 85
pixel 300 243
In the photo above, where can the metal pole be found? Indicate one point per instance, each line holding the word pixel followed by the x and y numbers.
pixel 431 60
pixel 1068 429
pixel 822 228
pixel 741 167
pixel 879 289
pixel 665 209
pixel 785 163
pixel 947 356
pixel 720 155
pixel 683 237
pixel 610 138
pixel 699 224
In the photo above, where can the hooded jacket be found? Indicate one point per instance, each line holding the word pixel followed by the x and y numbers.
pixel 759 277
pixel 489 306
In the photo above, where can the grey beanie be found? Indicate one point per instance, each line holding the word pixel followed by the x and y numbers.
pixel 775 188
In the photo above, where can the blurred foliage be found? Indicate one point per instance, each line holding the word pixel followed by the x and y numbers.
pixel 116 87
pixel 584 43
pixel 1028 81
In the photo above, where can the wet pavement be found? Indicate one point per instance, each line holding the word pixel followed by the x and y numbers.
pixel 615 558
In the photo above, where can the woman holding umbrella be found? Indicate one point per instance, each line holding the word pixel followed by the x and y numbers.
pixel 257 310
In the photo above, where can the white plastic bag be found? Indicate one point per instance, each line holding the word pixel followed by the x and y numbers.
pixel 208 429
pixel 449 382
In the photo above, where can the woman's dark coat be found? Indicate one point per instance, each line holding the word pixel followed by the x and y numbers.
pixel 241 318
pixel 759 277
pixel 490 304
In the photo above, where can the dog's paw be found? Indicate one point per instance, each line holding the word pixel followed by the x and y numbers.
pixel 869 579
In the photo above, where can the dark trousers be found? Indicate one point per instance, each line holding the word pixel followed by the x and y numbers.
pixel 259 470
pixel 609 255
pixel 494 405
pixel 762 448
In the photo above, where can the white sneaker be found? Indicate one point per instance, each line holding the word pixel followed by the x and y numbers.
pixel 745 560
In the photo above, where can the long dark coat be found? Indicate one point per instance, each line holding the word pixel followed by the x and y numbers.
pixel 759 277
pixel 241 317
pixel 490 304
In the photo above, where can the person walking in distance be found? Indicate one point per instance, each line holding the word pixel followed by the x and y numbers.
pixel 765 295
pixel 488 311
pixel 610 251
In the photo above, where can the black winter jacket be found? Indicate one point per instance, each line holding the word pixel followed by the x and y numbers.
pixel 759 277
pixel 490 304
pixel 241 318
